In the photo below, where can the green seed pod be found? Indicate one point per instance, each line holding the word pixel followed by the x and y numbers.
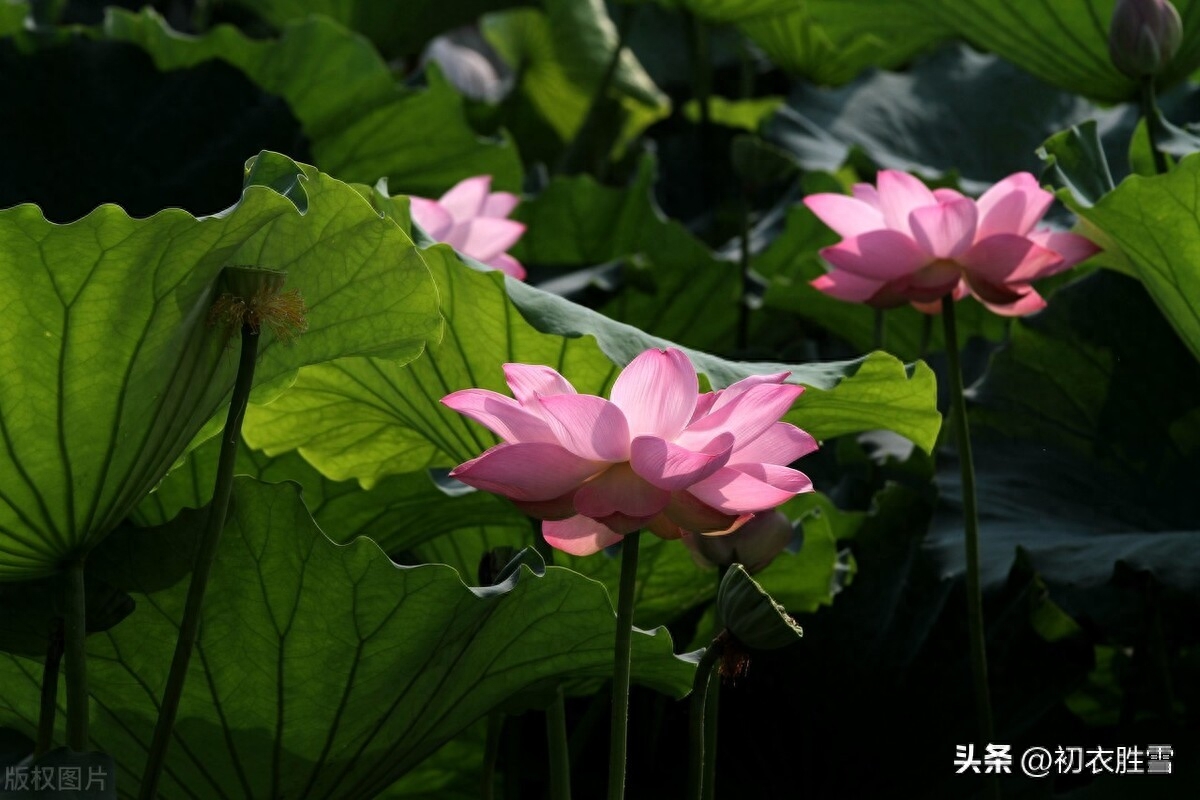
pixel 751 615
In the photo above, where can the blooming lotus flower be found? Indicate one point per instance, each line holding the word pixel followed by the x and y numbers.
pixel 473 220
pixel 906 244
pixel 657 454
pixel 754 545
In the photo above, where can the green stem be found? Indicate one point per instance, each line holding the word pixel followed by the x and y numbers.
pixel 880 330
pixel 958 411
pixel 189 627
pixel 712 708
pixel 560 753
pixel 1153 123
pixel 491 755
pixel 743 318
pixel 926 334
pixel 701 754
pixel 618 740
pixel 75 656
pixel 48 711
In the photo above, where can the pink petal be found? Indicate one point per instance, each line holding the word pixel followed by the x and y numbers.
pixel 1025 304
pixel 947 195
pixel 878 255
pixel 484 238
pixel 465 200
pixel 508 265
pixel 781 443
pixel 847 286
pixel 657 392
pixel 704 404
pixel 502 415
pixel 579 535
pixel 938 279
pixel 1006 258
pixel 747 417
pixel 899 195
pixel 935 306
pixel 669 466
pixel 531 381
pixel 619 490
pixel 867 194
pixel 560 507
pixel 945 230
pixel 692 514
pixel 499 204
pixel 726 396
pixel 1072 247
pixel 786 478
pixel 526 471
pixel 430 215
pixel 735 492
pixel 1014 205
pixel 588 426
pixel 847 216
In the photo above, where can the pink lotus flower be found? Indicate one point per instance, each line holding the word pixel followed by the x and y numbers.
pixel 904 243
pixel 473 220
pixel 658 455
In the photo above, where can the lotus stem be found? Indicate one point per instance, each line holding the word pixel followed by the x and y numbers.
pixel 75 656
pixel 978 646
pixel 49 705
pixel 618 740
pixel 560 752
pixel 189 628
pixel 699 775
pixel 743 317
pixel 491 754
pixel 1153 123
pixel 880 330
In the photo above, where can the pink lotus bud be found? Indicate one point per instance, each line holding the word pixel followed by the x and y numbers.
pixel 754 545
pixel 1144 36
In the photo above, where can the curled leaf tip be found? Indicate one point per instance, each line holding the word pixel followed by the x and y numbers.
pixel 253 297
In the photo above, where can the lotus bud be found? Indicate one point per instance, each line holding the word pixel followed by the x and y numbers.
pixel 754 545
pixel 1144 36
pixel 751 615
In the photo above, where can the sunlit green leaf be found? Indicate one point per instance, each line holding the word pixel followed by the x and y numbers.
pixel 322 668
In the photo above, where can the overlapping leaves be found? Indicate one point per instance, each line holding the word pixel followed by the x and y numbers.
pixel 323 670
pixel 107 317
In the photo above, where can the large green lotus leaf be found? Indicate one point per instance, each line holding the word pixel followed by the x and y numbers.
pixel 398 512
pixel 323 669
pixel 668 284
pixel 397 29
pixel 827 41
pixel 562 56
pixel 118 368
pixel 366 418
pixel 1156 223
pixel 956 112
pixel 1088 434
pixel 361 124
pixel 1063 42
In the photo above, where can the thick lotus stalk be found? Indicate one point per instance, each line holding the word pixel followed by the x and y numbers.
pixel 251 300
pixel 1144 36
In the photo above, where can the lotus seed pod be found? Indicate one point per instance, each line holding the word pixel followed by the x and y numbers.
pixel 754 545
